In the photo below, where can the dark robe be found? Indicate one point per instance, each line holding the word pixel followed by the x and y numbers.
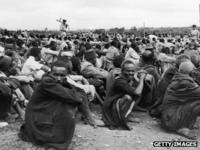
pixel 181 103
pixel 49 118
pixel 115 72
pixel 114 109
pixel 161 89
pixel 7 88
pixel 195 74
pixel 147 99
pixel 5 100
pixel 151 69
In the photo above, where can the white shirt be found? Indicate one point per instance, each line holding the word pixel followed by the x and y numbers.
pixel 72 80
pixel 31 65
pixel 63 27
pixel 112 52
pixel 131 53
pixel 195 34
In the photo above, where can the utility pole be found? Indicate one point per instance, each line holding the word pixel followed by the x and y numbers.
pixel 199 14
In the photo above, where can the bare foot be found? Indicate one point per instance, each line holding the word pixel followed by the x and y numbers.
pixel 129 125
pixel 134 119
pixel 187 133
pixel 91 121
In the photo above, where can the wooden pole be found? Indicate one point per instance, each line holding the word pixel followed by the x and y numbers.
pixel 199 14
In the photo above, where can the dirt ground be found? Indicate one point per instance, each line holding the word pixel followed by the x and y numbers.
pixel 86 137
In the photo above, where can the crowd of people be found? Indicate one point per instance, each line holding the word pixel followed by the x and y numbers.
pixel 46 79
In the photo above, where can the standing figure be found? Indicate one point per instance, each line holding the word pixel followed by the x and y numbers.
pixel 194 33
pixel 63 27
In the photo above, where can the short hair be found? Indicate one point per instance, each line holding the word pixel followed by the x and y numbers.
pixel 34 52
pixel 135 47
pixel 107 45
pixel 125 62
pixel 148 56
pixel 194 26
pixel 117 61
pixel 88 46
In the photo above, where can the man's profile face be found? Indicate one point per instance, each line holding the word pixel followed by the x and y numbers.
pixel 128 71
pixel 59 73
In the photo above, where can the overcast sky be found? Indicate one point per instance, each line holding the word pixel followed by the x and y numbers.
pixel 90 14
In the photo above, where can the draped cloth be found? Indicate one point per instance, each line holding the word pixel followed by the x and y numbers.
pixel 161 89
pixel 115 108
pixel 5 100
pixel 181 103
pixel 151 69
pixel 49 118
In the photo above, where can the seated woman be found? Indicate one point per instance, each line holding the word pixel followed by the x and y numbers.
pixel 181 103
pixel 123 96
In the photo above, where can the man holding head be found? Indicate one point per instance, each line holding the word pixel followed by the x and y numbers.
pixel 123 96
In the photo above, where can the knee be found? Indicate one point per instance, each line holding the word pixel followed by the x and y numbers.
pixel 128 97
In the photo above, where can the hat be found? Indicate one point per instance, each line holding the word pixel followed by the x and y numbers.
pixel 90 54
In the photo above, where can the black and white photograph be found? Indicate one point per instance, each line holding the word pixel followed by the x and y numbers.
pixel 99 74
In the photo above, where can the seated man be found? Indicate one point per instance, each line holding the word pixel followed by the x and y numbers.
pixel 81 83
pixel 181 103
pixel 123 96
pixel 110 54
pixel 132 53
pixel 49 118
pixel 10 88
pixel 114 72
pixel 32 66
pixel 95 75
pixel 89 69
pixel 163 84
pixel 147 62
